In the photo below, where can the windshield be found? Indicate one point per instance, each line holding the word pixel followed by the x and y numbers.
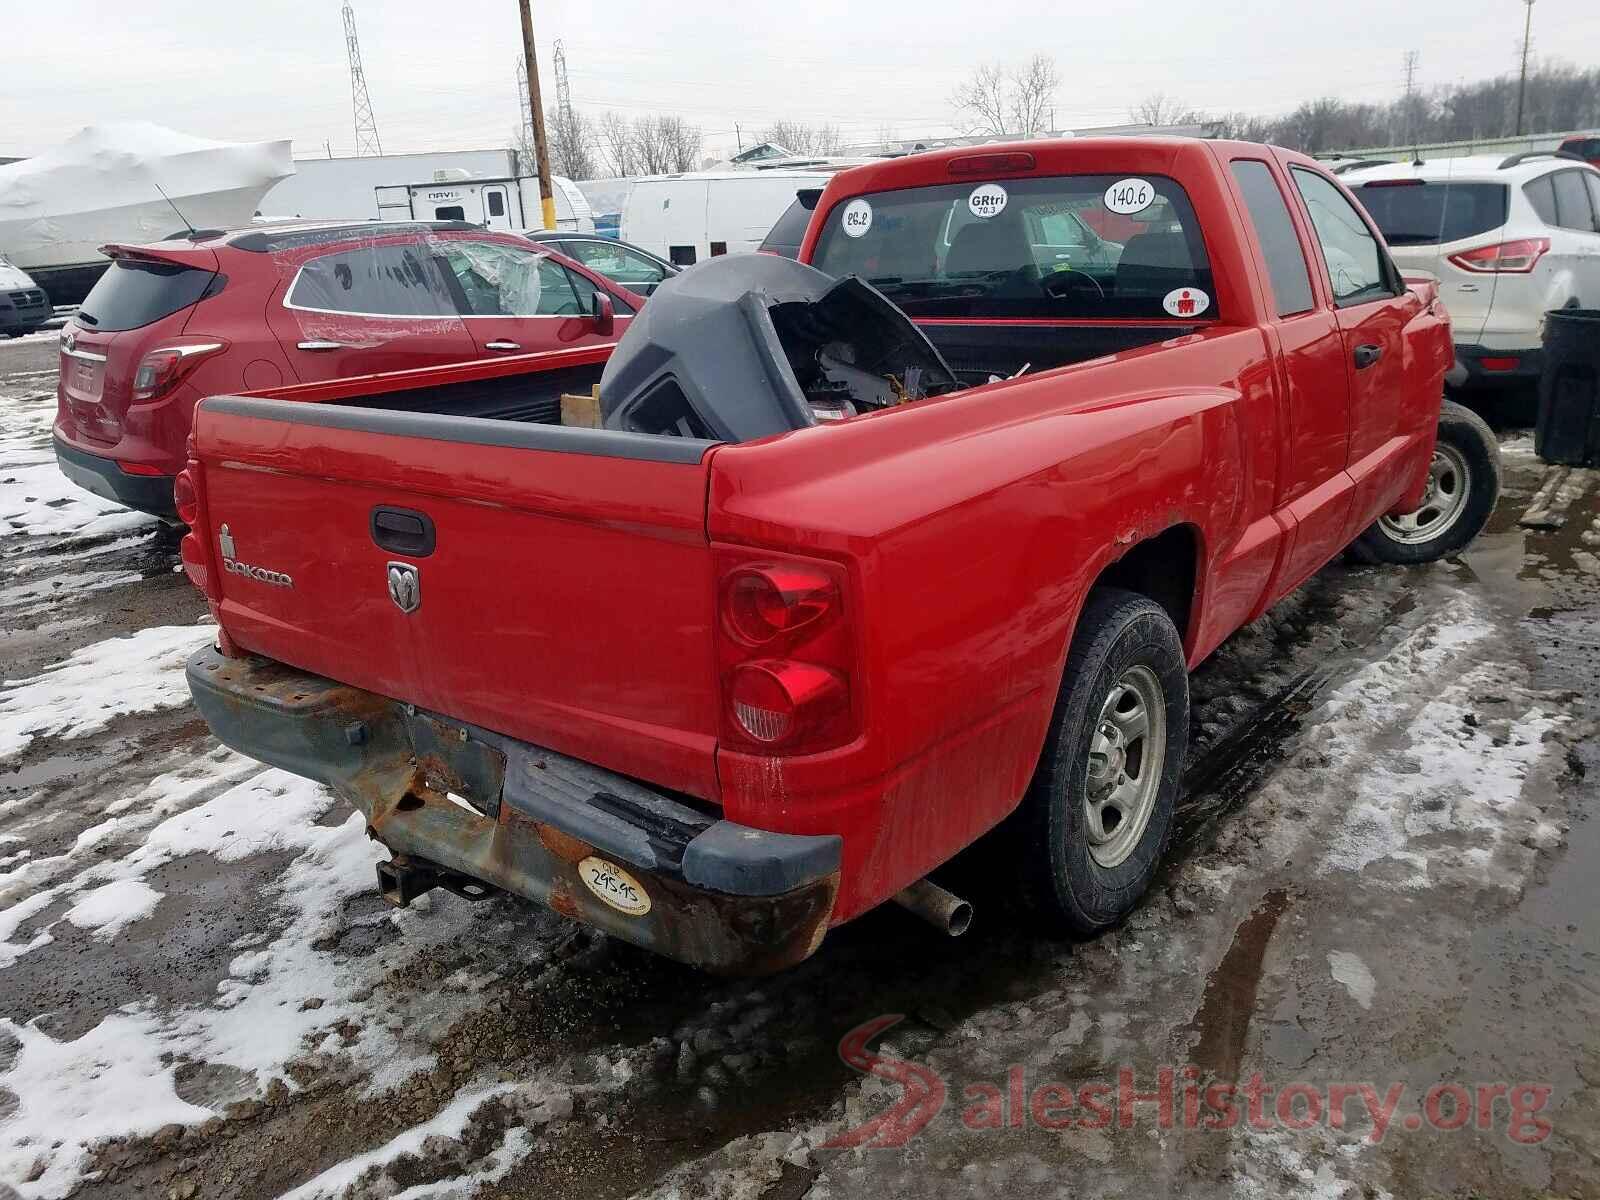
pixel 1068 246
pixel 1413 214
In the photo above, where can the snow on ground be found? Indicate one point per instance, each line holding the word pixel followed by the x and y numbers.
pixel 40 501
pixel 111 907
pixel 139 673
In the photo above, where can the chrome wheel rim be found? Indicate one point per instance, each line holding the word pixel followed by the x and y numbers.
pixel 1126 756
pixel 1449 484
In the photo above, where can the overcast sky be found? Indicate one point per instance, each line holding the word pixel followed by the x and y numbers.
pixel 442 75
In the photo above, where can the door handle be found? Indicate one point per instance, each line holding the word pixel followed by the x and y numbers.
pixel 1365 356
pixel 503 346
pixel 402 531
pixel 320 347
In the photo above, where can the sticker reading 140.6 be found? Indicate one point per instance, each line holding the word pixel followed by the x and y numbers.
pixel 1129 196
pixel 857 217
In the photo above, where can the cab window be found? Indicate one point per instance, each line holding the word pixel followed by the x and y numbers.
pixel 1053 247
pixel 1358 269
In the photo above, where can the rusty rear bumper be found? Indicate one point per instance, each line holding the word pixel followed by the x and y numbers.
pixel 721 896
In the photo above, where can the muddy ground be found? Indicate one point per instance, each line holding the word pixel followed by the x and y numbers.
pixel 1386 876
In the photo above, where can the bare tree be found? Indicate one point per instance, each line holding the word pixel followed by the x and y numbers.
pixel 616 143
pixel 981 102
pixel 1158 108
pixel 1033 95
pixel 998 102
pixel 802 138
pixel 662 144
pixel 572 144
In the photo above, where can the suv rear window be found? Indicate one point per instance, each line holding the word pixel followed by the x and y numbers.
pixel 134 293
pixel 1412 213
pixel 790 229
pixel 1020 248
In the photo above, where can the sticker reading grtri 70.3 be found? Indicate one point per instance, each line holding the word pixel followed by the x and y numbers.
pixel 987 200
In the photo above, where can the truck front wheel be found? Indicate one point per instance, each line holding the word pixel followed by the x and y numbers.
pixel 1463 485
pixel 1099 811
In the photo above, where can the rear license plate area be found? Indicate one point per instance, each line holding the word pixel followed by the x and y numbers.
pixel 453 762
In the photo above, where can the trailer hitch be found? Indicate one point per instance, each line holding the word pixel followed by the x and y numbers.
pixel 403 878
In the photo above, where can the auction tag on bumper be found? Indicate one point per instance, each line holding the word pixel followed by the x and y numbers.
pixel 614 885
pixel 1130 196
pixel 987 200
pixel 857 217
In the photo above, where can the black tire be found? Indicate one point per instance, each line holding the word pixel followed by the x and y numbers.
pixel 1120 635
pixel 1464 485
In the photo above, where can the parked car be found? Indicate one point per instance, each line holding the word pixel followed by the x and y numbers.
pixel 23 303
pixel 820 605
pixel 1586 147
pixel 1509 239
pixel 220 312
pixel 635 269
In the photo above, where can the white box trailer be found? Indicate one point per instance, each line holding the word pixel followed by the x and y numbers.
pixel 509 202
pixel 687 218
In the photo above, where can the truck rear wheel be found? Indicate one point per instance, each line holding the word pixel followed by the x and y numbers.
pixel 1463 485
pixel 1099 811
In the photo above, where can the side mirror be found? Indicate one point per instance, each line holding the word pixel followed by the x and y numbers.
pixel 603 312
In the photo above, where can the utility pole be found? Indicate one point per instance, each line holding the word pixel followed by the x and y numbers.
pixel 1527 44
pixel 541 148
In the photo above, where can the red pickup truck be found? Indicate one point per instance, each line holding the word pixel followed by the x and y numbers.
pixel 872 553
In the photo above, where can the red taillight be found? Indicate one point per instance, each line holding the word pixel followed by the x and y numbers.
pixel 990 164
pixel 160 370
pixel 1507 258
pixel 785 653
pixel 762 602
pixel 136 468
pixel 185 498
pixel 773 700
pixel 1506 362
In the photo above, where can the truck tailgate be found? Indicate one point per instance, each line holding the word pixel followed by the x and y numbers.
pixel 566 597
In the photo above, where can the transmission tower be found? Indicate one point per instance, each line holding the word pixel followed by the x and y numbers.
pixel 522 103
pixel 366 127
pixel 563 91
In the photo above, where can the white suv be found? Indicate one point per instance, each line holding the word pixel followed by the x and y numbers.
pixel 1508 239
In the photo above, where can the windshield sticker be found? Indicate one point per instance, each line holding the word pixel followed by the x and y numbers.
pixel 1130 196
pixel 1186 302
pixel 857 218
pixel 987 200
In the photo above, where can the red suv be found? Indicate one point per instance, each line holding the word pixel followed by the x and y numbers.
pixel 214 312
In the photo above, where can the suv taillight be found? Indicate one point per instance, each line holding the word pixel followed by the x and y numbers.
pixel 1507 258
pixel 784 654
pixel 161 369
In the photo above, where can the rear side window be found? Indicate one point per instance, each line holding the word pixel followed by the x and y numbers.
pixel 1413 214
pixel 1541 193
pixel 1063 246
pixel 789 230
pixel 393 281
pixel 1573 210
pixel 1269 213
pixel 132 294
pixel 1357 270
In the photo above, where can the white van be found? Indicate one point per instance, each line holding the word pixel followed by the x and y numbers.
pixel 511 204
pixel 687 218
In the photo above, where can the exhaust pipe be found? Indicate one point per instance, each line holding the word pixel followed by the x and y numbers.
pixel 946 912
